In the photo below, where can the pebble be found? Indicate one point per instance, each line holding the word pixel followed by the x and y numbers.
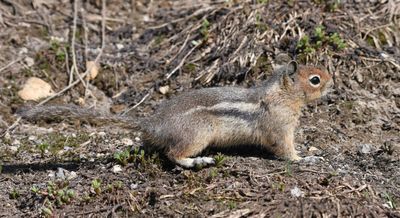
pixel 119 46
pixel 13 148
pixel 52 175
pixel 133 186
pixel 60 173
pixel 365 148
pixel 127 141
pixel 32 138
pixel 72 175
pixel 7 136
pixel 63 174
pixel 116 169
pixel 29 61
pixel 312 159
pixel 296 192
pixel 313 149
pixel 16 142
pixel 164 89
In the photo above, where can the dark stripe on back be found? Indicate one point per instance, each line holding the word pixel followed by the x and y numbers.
pixel 235 113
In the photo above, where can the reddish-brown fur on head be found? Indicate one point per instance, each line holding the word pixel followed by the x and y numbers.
pixel 304 82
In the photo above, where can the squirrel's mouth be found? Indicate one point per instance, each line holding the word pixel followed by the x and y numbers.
pixel 328 88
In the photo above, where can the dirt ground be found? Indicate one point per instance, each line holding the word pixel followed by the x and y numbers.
pixel 154 50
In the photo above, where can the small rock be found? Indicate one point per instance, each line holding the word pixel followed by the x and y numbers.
pixel 359 77
pixel 119 46
pixel 127 141
pixel 146 18
pixel 35 89
pixel 57 39
pixel 32 138
pixel 13 148
pixel 7 136
pixel 99 155
pixel 72 175
pixel 67 148
pixel 60 173
pixel 29 61
pixel 23 51
pixel 164 89
pixel 365 148
pixel 296 192
pixel 313 149
pixel 116 168
pixel 137 139
pixel 81 101
pixel 133 186
pixel 312 159
pixel 101 134
pixel 93 70
pixel 52 175
pixel 16 142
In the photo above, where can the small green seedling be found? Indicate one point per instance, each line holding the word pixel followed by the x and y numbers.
pixel 205 25
pixel 46 212
pixel 35 189
pixel 390 200
pixel 219 159
pixel 96 185
pixel 14 194
pixel 122 157
pixel 43 148
pixel 288 168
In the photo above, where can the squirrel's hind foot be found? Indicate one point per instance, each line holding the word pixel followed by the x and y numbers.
pixel 198 161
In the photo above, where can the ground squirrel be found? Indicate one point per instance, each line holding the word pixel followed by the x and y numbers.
pixel 184 126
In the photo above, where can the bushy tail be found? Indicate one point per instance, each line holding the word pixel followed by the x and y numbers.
pixel 60 113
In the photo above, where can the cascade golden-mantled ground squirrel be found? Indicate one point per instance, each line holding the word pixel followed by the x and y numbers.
pixel 224 116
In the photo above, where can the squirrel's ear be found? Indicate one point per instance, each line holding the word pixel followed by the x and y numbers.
pixel 291 68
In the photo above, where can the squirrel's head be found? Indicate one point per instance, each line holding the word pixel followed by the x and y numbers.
pixel 309 82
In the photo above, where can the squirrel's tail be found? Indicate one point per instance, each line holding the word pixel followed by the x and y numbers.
pixel 60 113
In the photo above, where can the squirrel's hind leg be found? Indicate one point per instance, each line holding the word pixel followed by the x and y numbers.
pixel 182 155
pixel 192 162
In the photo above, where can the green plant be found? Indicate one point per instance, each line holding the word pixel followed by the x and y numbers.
pixel 43 147
pixel 35 189
pixel 122 157
pixel 259 24
pixel 212 174
pixel 390 200
pixel 96 185
pixel 219 159
pixel 337 41
pixel 14 194
pixel 59 50
pixel 205 25
pixel 304 45
pixel 278 186
pixel 54 193
pixel 46 212
pixel 319 40
pixel 288 168
pixel 231 205
pixel 118 184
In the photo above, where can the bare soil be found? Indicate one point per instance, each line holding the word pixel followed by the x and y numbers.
pixel 157 49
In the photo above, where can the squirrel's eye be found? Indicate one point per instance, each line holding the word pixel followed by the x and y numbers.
pixel 314 80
